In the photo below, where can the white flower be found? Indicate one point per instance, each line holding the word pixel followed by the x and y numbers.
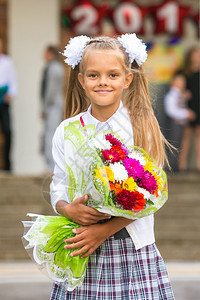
pixel 120 173
pixel 138 156
pixel 100 142
pixel 135 48
pixel 146 194
pixel 74 50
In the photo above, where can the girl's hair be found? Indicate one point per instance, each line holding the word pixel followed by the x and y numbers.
pixel 136 99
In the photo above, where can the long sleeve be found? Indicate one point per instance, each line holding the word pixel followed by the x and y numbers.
pixel 58 187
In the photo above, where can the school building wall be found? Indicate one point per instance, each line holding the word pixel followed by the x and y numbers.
pixel 32 26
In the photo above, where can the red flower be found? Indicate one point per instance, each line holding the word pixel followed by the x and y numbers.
pixel 120 151
pixel 109 137
pixel 131 200
pixel 110 155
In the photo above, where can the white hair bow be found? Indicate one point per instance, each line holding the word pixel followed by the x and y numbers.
pixel 135 48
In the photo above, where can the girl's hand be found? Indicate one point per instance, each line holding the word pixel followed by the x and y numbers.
pixel 88 238
pixel 78 212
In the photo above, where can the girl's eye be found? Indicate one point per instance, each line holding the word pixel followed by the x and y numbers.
pixel 113 75
pixel 92 75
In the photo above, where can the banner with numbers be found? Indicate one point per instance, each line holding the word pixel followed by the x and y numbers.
pixel 84 17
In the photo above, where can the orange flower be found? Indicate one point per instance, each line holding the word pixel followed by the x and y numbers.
pixel 155 193
pixel 140 203
pixel 116 187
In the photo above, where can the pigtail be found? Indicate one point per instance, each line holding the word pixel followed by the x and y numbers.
pixel 146 129
pixel 76 100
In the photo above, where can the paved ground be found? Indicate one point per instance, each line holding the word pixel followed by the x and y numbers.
pixel 23 281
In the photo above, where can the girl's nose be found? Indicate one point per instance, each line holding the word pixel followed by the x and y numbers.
pixel 103 81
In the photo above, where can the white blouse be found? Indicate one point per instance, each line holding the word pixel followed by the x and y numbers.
pixel 141 230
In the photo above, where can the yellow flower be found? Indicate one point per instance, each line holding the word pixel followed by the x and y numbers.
pixel 105 174
pixel 149 166
pixel 158 180
pixel 110 174
pixel 130 184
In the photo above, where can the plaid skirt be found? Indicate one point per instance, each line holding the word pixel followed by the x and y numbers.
pixel 117 271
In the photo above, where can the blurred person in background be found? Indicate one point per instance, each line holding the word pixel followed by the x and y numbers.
pixel 176 108
pixel 52 88
pixel 8 90
pixel 191 70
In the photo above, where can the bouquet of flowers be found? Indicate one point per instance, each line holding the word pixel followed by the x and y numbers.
pixel 120 180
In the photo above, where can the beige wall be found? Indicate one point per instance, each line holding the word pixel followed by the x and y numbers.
pixel 32 25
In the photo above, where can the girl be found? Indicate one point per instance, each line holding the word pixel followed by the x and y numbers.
pixel 124 261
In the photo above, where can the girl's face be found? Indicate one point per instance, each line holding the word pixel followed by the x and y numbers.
pixel 104 79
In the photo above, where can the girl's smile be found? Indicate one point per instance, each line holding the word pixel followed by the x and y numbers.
pixel 103 92
pixel 104 80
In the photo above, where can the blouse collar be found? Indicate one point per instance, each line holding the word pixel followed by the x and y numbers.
pixel 119 122
pixel 108 123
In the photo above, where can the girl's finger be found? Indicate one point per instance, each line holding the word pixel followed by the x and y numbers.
pixel 96 213
pixel 94 219
pixel 74 245
pixel 88 253
pixel 79 230
pixel 75 239
pixel 83 250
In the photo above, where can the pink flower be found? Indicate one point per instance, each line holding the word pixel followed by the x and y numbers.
pixel 109 137
pixel 148 182
pixel 134 168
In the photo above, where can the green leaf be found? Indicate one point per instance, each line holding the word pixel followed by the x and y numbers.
pixel 61 257
pixel 149 202
pixel 52 226
pixel 57 239
pixel 77 264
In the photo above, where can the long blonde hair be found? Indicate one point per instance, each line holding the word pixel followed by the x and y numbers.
pixel 136 99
